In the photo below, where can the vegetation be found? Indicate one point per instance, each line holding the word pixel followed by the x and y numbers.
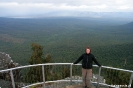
pixel 117 78
pixel 66 38
pixel 114 77
pixel 35 73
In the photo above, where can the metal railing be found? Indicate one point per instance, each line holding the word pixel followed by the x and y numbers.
pixel 66 72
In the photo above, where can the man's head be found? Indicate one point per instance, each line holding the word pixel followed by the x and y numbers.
pixel 87 50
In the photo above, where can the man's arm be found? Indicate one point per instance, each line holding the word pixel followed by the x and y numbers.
pixel 94 59
pixel 78 60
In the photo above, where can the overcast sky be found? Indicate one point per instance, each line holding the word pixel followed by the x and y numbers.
pixel 25 7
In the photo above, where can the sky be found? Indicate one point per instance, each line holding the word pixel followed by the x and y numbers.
pixel 35 7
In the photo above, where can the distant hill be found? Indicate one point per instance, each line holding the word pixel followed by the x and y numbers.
pixel 125 28
pixel 80 14
pixel 130 25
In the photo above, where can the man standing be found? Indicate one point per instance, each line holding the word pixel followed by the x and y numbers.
pixel 87 61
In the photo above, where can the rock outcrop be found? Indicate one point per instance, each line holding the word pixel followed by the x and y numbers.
pixel 5 63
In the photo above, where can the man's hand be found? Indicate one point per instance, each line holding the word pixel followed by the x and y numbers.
pixel 100 66
pixel 73 64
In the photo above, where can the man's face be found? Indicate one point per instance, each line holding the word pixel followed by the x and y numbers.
pixel 87 51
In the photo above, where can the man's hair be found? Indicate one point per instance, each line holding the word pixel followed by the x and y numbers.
pixel 88 48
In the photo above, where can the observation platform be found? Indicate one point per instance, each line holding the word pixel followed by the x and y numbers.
pixel 63 75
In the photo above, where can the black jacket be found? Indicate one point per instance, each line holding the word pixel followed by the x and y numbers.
pixel 87 60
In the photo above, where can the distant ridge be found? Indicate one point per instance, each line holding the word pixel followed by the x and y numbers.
pixel 129 24
pixel 126 28
pixel 78 14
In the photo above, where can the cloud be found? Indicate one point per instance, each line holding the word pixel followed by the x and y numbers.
pixel 25 7
pixel 124 7
pixel 45 7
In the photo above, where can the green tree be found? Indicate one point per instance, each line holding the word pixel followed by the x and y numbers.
pixel 48 68
pixel 65 72
pixel 37 53
pixel 116 77
pixel 47 59
pixel 35 73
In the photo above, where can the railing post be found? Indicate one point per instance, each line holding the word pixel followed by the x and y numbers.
pixel 12 79
pixel 43 74
pixel 98 81
pixel 130 82
pixel 71 74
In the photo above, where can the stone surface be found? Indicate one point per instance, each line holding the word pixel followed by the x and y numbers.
pixel 78 86
pixel 6 61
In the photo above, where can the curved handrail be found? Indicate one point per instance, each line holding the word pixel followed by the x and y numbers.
pixel 34 66
pixel 71 64
pixel 62 64
pixel 117 69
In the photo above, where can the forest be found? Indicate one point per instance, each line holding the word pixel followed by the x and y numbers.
pixel 65 39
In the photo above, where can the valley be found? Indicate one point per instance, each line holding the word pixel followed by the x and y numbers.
pixel 65 39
